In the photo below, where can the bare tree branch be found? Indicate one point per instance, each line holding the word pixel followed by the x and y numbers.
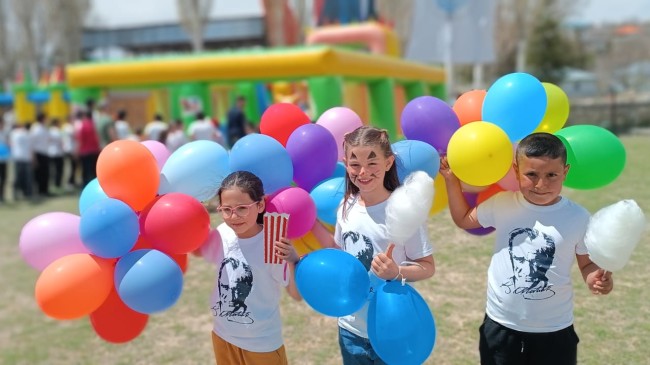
pixel 194 16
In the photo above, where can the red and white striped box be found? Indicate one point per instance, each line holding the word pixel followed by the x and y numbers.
pixel 275 228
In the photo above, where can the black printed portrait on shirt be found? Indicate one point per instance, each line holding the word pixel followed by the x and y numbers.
pixel 360 246
pixel 235 284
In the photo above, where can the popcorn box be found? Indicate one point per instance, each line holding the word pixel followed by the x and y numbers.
pixel 275 228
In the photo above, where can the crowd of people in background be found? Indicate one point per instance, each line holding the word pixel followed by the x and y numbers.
pixel 51 158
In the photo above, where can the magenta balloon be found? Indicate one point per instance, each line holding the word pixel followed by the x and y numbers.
pixel 312 149
pixel 339 121
pixel 299 205
pixel 159 151
pixel 50 236
pixel 431 120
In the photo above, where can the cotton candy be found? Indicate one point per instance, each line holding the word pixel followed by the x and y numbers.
pixel 613 233
pixel 408 206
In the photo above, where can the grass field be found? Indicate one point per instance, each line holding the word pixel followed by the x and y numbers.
pixel 613 329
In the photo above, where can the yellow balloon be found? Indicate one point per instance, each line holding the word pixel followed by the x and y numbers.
pixel 557 109
pixel 439 195
pixel 479 153
pixel 306 244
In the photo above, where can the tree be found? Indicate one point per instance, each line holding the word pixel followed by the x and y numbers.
pixel 64 28
pixel 194 16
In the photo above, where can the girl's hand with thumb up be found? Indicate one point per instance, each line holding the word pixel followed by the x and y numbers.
pixel 383 265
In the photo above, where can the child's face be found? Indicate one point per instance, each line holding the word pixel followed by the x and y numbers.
pixel 367 167
pixel 540 179
pixel 240 212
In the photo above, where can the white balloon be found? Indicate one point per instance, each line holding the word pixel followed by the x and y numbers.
pixel 408 206
pixel 613 233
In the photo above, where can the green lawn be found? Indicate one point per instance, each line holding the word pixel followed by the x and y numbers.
pixel 614 329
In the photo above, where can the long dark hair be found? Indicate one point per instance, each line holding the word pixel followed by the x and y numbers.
pixel 247 182
pixel 368 136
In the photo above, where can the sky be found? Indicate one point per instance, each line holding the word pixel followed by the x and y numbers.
pixel 126 13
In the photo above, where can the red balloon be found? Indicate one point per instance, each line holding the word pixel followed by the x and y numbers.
pixel 115 322
pixel 468 107
pixel 182 261
pixel 175 223
pixel 280 120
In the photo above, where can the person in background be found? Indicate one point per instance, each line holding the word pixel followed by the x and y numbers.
pixel 153 129
pixel 176 137
pixel 122 128
pixel 237 123
pixel 69 144
pixel 5 154
pixel 55 152
pixel 103 121
pixel 203 129
pixel 22 155
pixel 88 148
pixel 40 143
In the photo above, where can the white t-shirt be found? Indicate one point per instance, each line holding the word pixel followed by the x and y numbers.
pixel 69 143
pixel 55 142
pixel 529 285
pixel 122 129
pixel 21 145
pixel 153 129
pixel 363 234
pixel 40 138
pixel 175 140
pixel 245 302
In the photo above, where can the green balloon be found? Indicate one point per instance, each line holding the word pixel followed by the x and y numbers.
pixel 596 156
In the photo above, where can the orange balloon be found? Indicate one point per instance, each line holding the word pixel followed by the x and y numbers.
pixel 74 286
pixel 469 106
pixel 115 322
pixel 127 170
pixel 487 193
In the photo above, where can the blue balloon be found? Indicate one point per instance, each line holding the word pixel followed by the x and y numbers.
pixel 109 228
pixel 332 282
pixel 339 170
pixel 401 327
pixel 412 155
pixel 5 153
pixel 328 196
pixel 265 157
pixel 196 169
pixel 91 194
pixel 148 281
pixel 516 102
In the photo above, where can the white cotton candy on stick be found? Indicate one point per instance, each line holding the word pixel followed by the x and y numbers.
pixel 408 206
pixel 613 233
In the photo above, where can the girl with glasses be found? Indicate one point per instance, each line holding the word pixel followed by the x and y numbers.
pixel 245 302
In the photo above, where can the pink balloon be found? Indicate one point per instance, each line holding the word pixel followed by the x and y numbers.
pixel 339 121
pixel 509 182
pixel 299 205
pixel 158 150
pixel 50 236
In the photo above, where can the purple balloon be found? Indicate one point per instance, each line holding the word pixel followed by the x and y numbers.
pixel 431 120
pixel 471 199
pixel 313 152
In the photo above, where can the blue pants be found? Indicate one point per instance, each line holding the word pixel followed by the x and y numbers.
pixel 357 350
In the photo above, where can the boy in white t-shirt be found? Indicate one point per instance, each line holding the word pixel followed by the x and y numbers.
pixel 529 312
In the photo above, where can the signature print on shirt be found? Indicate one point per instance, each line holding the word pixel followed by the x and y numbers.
pixel 359 246
pixel 232 299
pixel 531 255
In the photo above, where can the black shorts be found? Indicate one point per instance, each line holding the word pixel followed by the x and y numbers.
pixel 500 345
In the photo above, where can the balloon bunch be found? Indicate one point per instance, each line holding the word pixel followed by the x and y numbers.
pixel 480 152
pixel 124 257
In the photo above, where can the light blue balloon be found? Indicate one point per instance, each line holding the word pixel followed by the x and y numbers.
pixel 328 196
pixel 339 170
pixel 196 169
pixel 92 193
pixel 332 282
pixel 401 327
pixel 516 102
pixel 412 155
pixel 109 228
pixel 148 281
pixel 266 158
